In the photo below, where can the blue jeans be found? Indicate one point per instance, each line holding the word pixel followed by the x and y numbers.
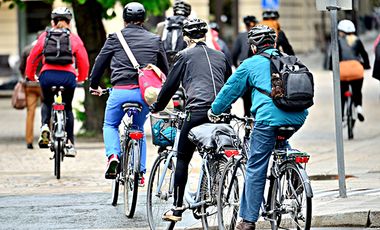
pixel 114 114
pixel 263 139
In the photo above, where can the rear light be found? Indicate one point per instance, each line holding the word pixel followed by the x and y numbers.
pixel 347 94
pixel 231 152
pixel 136 135
pixel 302 159
pixel 176 103
pixel 58 107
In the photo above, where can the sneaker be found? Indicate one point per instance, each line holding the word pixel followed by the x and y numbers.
pixel 142 180
pixel 111 170
pixel 29 146
pixel 245 225
pixel 70 151
pixel 44 138
pixel 359 110
pixel 174 214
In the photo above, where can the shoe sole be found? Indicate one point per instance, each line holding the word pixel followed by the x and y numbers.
pixel 172 218
pixel 111 171
pixel 360 117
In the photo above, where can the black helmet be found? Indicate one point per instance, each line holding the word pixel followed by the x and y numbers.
pixel 61 13
pixel 261 36
pixel 181 8
pixel 271 14
pixel 250 18
pixel 194 28
pixel 214 26
pixel 134 12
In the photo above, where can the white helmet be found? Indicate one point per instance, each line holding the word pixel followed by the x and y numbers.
pixel 346 26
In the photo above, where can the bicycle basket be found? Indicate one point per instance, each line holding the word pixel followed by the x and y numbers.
pixel 163 130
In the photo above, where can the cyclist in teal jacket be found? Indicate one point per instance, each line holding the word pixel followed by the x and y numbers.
pixel 255 71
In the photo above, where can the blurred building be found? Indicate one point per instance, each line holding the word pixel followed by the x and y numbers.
pixel 304 26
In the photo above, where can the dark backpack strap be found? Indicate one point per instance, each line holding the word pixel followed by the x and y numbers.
pixel 262 91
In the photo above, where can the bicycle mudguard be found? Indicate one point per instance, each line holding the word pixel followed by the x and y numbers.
pixel 305 178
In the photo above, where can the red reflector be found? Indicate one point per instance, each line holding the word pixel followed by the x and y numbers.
pixel 136 135
pixel 300 159
pixel 176 103
pixel 231 152
pixel 58 107
pixel 347 94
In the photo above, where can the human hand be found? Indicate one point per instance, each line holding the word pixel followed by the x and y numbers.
pixel 96 92
pixel 213 117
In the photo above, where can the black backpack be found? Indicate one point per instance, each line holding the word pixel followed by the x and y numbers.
pixel 292 83
pixel 57 47
pixel 173 28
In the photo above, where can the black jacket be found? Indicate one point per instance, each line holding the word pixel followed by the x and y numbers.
pixel 146 47
pixel 376 64
pixel 240 49
pixel 193 71
pixel 283 43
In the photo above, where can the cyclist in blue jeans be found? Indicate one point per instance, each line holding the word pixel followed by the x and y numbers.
pixel 147 48
pixel 255 71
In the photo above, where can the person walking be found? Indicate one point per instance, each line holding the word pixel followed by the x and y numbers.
pixel 147 49
pixel 218 42
pixel 255 72
pixel 240 53
pixel 353 59
pixel 202 72
pixel 33 94
pixel 58 70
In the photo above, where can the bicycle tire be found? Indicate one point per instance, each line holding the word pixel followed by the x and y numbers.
pixel 230 187
pixel 209 210
pixel 115 190
pixel 157 204
pixel 292 184
pixel 131 179
pixel 58 152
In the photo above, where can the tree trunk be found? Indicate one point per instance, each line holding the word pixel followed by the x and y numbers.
pixel 91 31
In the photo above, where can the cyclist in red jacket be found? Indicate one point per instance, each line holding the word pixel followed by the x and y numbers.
pixel 58 57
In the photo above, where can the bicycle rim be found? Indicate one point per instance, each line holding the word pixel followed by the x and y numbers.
pixel 290 205
pixel 209 211
pixel 131 180
pixel 230 187
pixel 160 200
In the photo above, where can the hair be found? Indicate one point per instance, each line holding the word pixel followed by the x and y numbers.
pixel 351 39
pixel 190 41
pixel 274 24
pixel 62 24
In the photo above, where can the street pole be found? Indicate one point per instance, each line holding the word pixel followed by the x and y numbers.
pixel 337 101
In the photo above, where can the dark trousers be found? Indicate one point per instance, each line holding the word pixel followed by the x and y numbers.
pixel 185 153
pixel 356 86
pixel 52 78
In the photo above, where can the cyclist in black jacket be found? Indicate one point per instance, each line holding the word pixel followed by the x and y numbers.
pixel 202 72
pixel 147 48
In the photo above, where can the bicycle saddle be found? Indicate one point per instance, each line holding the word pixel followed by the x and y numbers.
pixel 131 105
pixel 285 132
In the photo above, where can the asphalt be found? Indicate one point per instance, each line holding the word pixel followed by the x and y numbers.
pixel 33 175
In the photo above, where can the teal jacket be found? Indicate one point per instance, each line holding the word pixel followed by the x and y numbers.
pixel 255 71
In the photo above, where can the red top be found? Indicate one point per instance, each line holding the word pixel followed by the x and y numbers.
pixel 79 52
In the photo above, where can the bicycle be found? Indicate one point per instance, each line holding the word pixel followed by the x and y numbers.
pixel 58 138
pixel 349 113
pixel 289 194
pixel 202 201
pixel 128 171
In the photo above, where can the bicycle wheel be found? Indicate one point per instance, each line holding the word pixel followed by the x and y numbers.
pixel 58 152
pixel 131 180
pixel 115 187
pixel 209 210
pixel 230 187
pixel 160 199
pixel 290 206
